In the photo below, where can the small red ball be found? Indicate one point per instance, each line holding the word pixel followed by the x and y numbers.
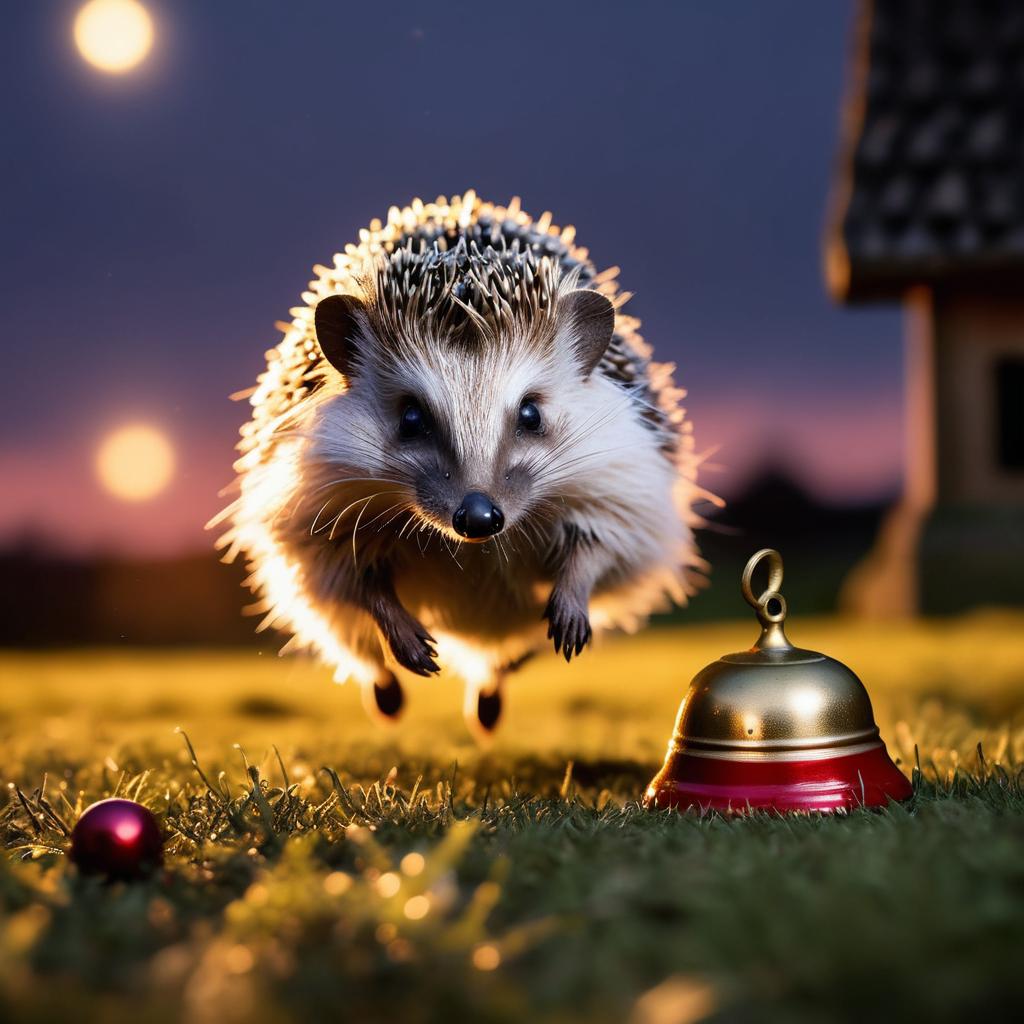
pixel 119 839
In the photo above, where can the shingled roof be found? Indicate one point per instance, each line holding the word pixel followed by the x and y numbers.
pixel 931 183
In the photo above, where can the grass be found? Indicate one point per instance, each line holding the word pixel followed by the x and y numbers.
pixel 324 869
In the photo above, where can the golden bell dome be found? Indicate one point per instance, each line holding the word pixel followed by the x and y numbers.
pixel 775 698
pixel 776 709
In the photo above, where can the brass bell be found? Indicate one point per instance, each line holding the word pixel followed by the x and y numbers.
pixel 775 728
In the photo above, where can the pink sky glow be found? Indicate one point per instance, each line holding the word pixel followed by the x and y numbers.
pixel 842 447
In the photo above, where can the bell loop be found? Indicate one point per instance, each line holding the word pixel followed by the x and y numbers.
pixel 771 608
pixel 774 576
pixel 770 605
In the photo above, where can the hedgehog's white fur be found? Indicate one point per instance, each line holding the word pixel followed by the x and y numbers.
pixel 312 460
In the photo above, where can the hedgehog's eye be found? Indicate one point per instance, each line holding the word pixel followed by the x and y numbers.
pixel 529 416
pixel 413 421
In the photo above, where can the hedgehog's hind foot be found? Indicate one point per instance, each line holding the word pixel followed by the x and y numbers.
pixel 384 699
pixel 488 709
pixel 482 711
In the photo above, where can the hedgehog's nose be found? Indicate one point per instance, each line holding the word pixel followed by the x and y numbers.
pixel 478 517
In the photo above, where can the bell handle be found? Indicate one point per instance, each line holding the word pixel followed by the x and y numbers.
pixel 774 577
pixel 770 605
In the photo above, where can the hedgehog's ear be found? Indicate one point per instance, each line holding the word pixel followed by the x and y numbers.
pixel 337 328
pixel 593 320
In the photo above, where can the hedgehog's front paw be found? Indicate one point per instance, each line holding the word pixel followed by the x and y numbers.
pixel 411 645
pixel 568 623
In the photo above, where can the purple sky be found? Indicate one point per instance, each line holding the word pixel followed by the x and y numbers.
pixel 156 224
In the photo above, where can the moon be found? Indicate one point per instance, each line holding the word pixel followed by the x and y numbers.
pixel 113 35
pixel 135 462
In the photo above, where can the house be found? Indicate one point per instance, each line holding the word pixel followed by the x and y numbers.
pixel 928 210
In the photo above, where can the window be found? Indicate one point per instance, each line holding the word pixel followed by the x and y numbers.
pixel 1010 412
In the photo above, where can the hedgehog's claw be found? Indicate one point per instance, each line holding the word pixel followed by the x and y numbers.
pixel 419 660
pixel 568 625
pixel 410 643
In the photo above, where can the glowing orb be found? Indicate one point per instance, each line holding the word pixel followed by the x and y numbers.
pixel 113 35
pixel 135 463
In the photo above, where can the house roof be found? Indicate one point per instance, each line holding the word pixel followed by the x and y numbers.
pixel 930 188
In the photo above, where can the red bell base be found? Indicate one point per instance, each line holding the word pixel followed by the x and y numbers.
pixel 690 782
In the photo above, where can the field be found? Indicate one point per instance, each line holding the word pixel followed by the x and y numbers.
pixel 319 867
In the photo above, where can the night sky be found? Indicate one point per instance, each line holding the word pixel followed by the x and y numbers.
pixel 156 224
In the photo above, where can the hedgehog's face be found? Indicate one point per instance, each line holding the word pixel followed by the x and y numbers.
pixel 482 487
pixel 468 438
pixel 474 431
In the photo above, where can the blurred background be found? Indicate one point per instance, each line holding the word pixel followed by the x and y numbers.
pixel 818 207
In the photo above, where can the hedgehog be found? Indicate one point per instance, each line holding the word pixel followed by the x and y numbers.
pixel 460 452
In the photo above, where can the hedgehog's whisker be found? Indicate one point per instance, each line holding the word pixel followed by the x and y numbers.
pixel 366 504
pixel 593 422
pixel 380 515
pixel 448 547
pixel 401 508
pixel 352 480
pixel 501 549
pixel 526 530
pixel 352 504
pixel 365 499
pixel 507 539
pixel 406 525
pixel 323 508
pixel 559 472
